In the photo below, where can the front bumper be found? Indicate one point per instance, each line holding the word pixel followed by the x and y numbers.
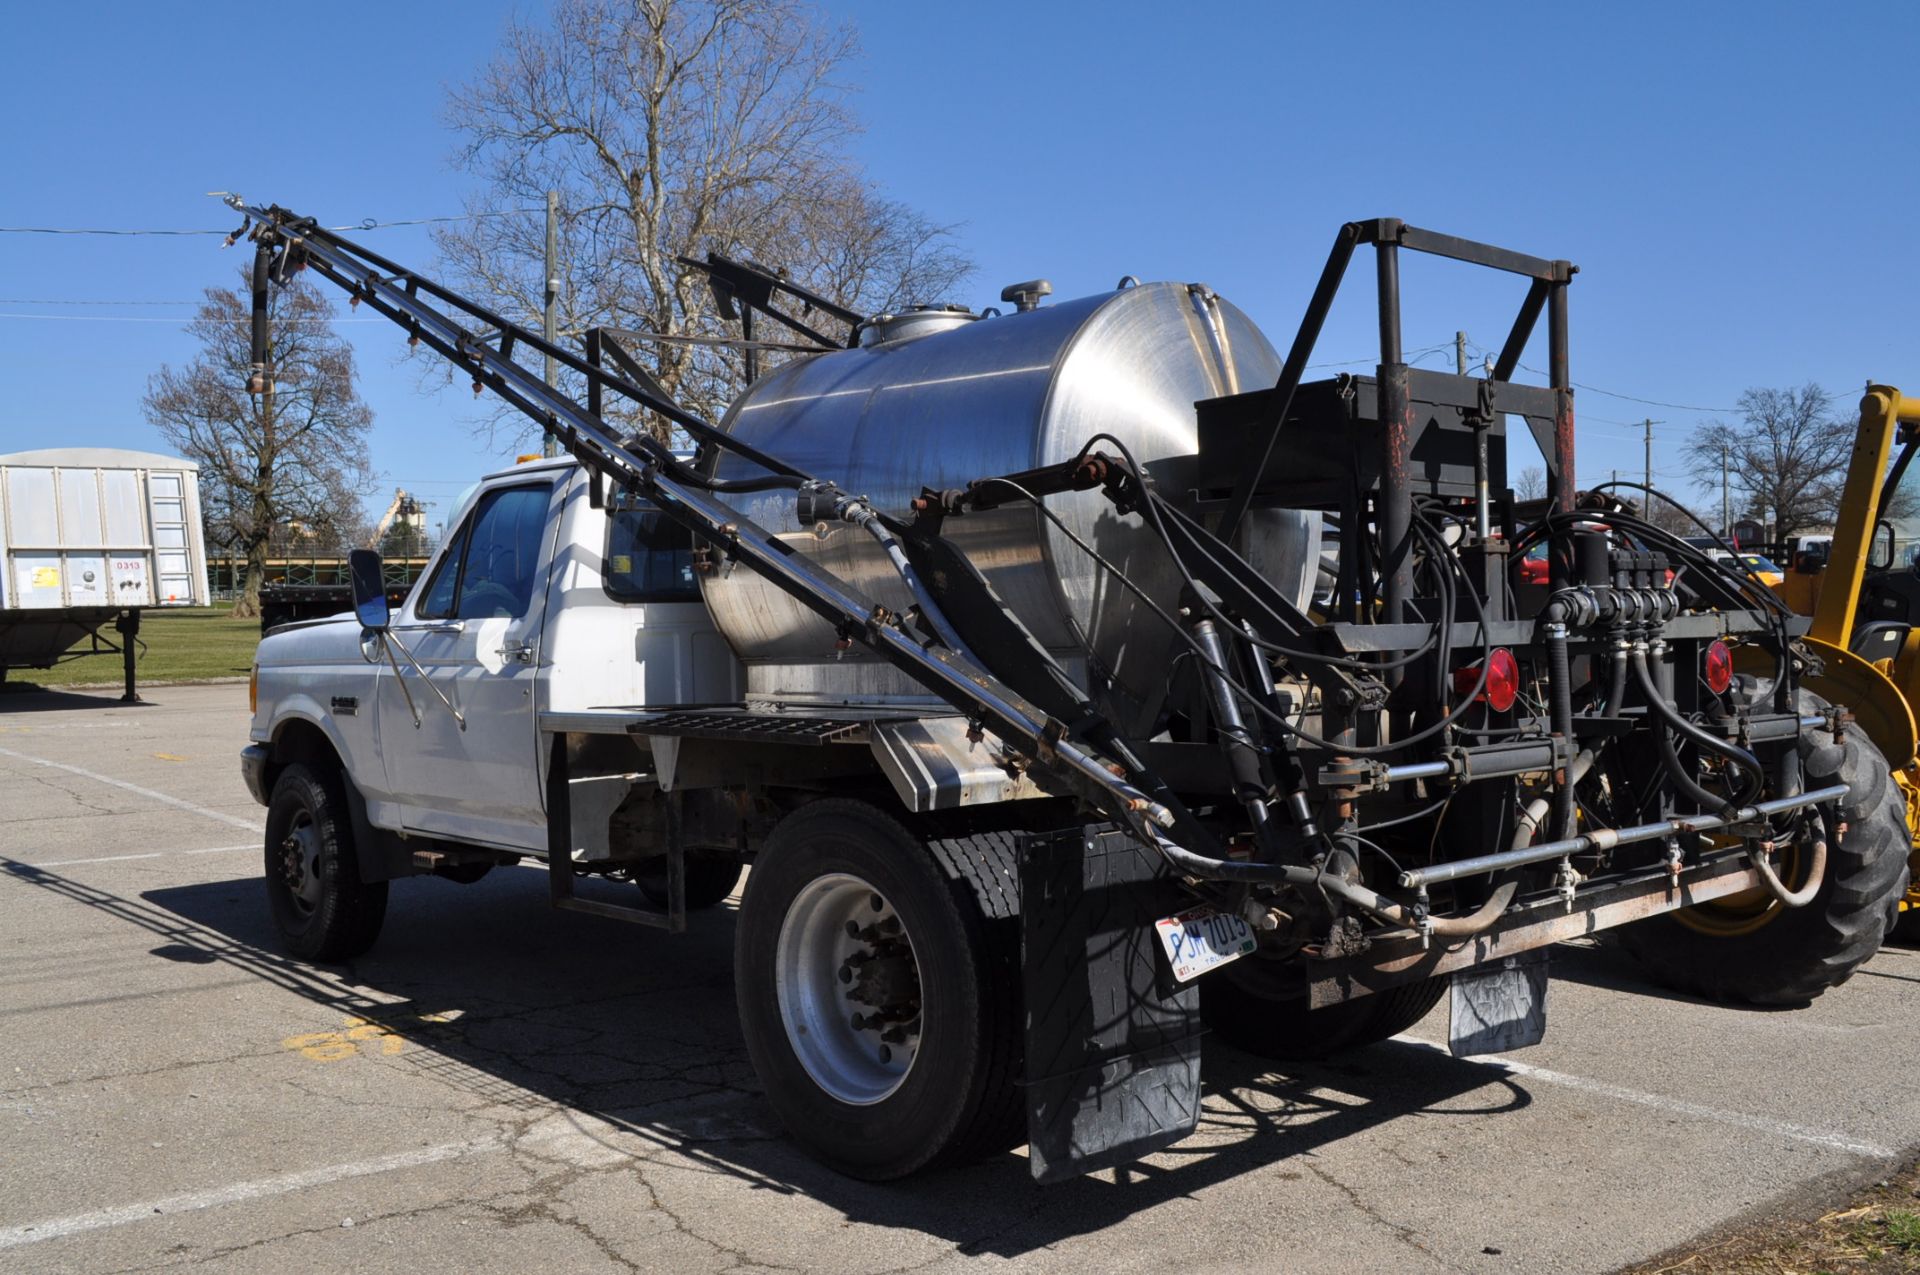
pixel 253 769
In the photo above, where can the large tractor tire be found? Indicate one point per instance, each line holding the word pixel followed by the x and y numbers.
pixel 1245 1005
pixel 880 1005
pixel 321 907
pixel 1748 947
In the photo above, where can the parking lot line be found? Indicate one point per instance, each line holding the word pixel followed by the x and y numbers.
pixel 150 854
pixel 178 802
pixel 237 1192
pixel 1829 1139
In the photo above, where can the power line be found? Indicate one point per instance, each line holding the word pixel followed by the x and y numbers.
pixel 176 321
pixel 366 224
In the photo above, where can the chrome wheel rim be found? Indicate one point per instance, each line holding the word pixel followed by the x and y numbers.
pixel 300 863
pixel 848 985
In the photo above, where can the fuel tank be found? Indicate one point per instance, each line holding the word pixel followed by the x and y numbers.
pixel 938 399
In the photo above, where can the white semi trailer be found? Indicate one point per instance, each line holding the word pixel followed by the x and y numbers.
pixel 91 537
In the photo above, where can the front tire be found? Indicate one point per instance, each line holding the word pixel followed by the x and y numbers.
pixel 323 910
pixel 880 1007
pixel 1748 947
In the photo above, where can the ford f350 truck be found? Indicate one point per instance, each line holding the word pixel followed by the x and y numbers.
pixel 995 644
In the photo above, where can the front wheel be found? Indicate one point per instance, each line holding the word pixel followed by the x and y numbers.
pixel 880 1007
pixel 324 912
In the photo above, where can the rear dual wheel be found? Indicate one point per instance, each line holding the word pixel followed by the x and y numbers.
pixel 881 1008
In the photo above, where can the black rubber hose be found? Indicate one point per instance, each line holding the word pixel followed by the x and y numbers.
pixel 1732 752
pixel 1676 769
pixel 1560 675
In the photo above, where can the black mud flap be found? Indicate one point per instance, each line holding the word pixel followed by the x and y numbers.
pixel 1113 1043
pixel 1499 1006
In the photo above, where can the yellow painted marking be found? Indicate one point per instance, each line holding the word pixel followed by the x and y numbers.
pixel 170 757
pixel 356 1039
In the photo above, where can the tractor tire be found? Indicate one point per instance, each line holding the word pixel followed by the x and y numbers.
pixel 710 878
pixel 324 912
pixel 1749 948
pixel 849 921
pixel 1245 1008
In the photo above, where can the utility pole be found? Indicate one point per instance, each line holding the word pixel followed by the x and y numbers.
pixel 1649 478
pixel 1726 507
pixel 550 445
pixel 1460 352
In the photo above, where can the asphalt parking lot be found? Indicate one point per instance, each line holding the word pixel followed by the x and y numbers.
pixel 501 1087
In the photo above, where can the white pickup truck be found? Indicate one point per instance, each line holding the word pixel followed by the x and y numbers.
pixel 537 603
pixel 503 712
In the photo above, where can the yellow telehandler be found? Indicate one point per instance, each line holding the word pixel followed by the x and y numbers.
pixel 1866 609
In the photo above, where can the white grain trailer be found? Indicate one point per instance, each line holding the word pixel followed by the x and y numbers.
pixel 91 536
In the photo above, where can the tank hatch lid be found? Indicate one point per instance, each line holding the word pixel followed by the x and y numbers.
pixel 914 322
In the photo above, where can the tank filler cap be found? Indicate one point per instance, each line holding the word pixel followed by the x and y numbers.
pixel 1026 296
pixel 914 321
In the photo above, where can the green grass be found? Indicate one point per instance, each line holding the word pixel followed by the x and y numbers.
pixel 1903 1229
pixel 188 645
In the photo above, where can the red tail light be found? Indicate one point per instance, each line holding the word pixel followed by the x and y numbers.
pixel 1503 680
pixel 1717 668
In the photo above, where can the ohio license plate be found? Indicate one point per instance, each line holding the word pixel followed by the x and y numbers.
pixel 1201 939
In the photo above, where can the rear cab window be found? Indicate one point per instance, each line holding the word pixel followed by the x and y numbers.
pixel 649 557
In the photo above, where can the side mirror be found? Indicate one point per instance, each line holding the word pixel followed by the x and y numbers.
pixel 1880 554
pixel 369 589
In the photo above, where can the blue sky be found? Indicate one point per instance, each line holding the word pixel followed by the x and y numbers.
pixel 1736 182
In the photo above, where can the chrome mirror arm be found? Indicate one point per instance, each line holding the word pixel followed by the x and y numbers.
pixel 391 643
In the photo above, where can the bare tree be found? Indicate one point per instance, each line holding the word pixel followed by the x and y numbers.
pixel 675 127
pixel 1785 460
pixel 1531 484
pixel 285 468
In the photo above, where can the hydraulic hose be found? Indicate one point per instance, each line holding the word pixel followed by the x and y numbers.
pixel 863 517
pixel 1536 811
pixel 1816 875
pixel 1560 671
pixel 1732 752
pixel 1360 896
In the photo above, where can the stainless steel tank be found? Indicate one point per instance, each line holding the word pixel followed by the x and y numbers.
pixel 938 404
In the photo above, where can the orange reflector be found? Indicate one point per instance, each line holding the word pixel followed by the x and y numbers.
pixel 1717 668
pixel 1503 680
pixel 521 460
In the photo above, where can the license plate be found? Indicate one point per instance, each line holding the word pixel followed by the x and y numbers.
pixel 1201 939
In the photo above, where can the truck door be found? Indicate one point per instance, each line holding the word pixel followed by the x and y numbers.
pixel 475 630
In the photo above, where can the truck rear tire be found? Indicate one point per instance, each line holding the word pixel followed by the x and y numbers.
pixel 323 910
pixel 880 1007
pixel 1749 948
pixel 1247 1009
pixel 710 878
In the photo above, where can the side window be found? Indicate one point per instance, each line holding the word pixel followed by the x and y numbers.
pixel 436 603
pixel 649 558
pixel 503 554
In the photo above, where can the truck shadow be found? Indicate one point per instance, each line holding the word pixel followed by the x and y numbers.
pixel 629 1037
pixel 25 697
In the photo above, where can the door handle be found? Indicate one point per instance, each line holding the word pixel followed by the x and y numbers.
pixel 451 626
pixel 521 651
